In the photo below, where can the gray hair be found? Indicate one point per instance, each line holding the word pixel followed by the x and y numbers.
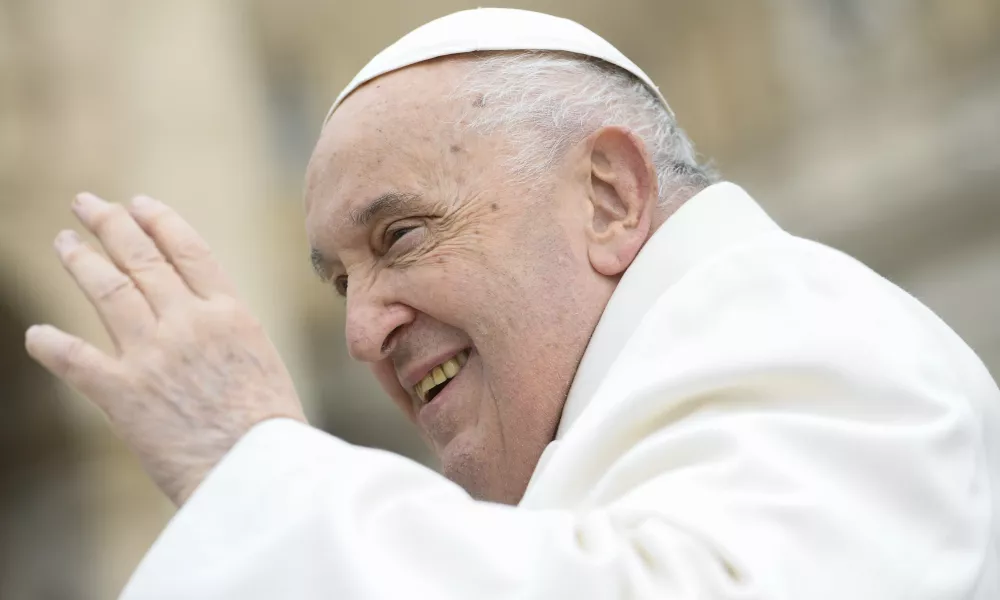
pixel 546 102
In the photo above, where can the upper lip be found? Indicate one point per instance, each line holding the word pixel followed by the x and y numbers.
pixel 416 371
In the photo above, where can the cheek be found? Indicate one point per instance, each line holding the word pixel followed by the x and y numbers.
pixel 445 288
pixel 386 376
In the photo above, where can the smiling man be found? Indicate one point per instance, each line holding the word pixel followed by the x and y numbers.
pixel 640 384
pixel 472 284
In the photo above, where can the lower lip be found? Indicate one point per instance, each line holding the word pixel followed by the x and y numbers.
pixel 429 412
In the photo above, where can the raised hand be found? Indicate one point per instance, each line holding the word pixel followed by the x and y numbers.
pixel 193 369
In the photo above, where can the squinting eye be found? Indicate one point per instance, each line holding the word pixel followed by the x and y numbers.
pixel 397 234
pixel 340 283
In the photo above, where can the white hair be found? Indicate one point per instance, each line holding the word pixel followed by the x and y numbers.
pixel 546 102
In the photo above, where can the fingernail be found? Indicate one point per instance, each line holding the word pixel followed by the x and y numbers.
pixel 85 202
pixel 34 331
pixel 67 240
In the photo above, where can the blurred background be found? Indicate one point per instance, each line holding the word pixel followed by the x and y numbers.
pixel 871 125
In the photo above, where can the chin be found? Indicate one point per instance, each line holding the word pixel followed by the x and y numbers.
pixel 475 467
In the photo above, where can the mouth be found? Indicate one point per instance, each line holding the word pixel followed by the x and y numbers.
pixel 437 378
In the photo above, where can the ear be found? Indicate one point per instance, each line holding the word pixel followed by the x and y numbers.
pixel 622 195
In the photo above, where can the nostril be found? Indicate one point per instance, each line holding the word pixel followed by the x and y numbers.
pixel 389 341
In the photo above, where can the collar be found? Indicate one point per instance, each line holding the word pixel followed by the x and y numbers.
pixel 719 217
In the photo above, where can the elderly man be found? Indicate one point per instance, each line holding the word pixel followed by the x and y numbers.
pixel 642 387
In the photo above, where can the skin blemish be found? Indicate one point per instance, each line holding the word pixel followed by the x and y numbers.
pixel 479 101
pixel 494 207
pixel 455 149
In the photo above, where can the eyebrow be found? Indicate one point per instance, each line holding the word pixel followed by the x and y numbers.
pixel 387 204
pixel 319 264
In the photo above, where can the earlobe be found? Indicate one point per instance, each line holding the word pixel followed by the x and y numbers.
pixel 613 254
pixel 623 194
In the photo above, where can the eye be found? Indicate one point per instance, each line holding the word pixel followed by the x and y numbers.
pixel 394 235
pixel 340 284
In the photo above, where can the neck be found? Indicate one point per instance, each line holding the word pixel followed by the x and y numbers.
pixel 674 200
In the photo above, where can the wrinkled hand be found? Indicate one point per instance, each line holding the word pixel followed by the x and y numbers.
pixel 193 369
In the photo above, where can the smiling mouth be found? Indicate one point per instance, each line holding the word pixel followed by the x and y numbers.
pixel 438 377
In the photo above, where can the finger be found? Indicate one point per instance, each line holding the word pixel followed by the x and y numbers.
pixel 123 309
pixel 183 247
pixel 85 368
pixel 134 253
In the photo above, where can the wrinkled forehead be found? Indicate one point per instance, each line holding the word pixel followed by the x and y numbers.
pixel 396 131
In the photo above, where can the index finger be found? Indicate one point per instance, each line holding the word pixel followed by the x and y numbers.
pixel 182 246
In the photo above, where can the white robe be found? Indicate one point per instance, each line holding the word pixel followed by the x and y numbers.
pixel 757 416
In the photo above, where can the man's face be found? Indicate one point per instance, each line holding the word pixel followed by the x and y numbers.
pixel 453 272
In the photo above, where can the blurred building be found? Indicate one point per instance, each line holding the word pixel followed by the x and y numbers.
pixel 871 126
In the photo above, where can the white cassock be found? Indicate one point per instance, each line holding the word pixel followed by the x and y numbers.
pixel 757 416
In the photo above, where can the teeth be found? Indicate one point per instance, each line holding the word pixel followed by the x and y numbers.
pixel 440 374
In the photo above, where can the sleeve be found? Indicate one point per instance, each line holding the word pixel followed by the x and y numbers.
pixel 292 512
pixel 779 429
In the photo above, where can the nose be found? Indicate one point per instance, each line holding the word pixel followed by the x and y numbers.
pixel 373 322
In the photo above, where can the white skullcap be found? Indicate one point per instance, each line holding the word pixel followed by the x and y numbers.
pixel 492 29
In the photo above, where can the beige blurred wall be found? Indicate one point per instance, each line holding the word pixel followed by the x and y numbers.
pixel 872 126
